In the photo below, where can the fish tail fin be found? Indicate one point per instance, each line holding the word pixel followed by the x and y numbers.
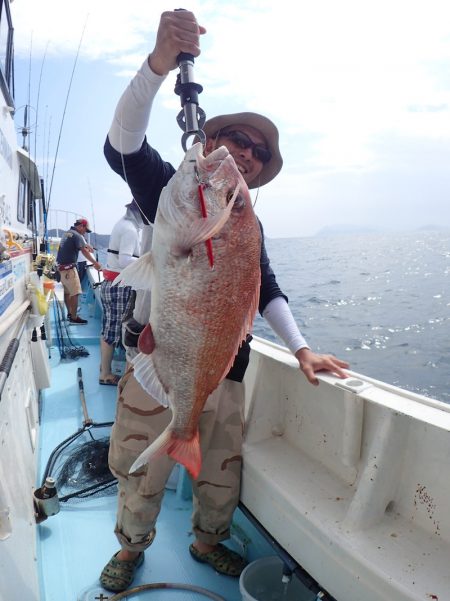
pixel 186 452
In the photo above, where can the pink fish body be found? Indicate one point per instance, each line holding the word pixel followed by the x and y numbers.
pixel 199 314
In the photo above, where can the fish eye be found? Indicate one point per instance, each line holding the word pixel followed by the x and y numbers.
pixel 239 203
pixel 229 196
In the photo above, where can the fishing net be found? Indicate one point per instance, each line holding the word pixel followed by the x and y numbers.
pixel 79 464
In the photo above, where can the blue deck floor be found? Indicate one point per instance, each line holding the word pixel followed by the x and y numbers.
pixel 74 545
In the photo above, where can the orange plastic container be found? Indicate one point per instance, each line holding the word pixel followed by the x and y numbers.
pixel 49 285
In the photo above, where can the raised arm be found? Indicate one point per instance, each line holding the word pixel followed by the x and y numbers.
pixel 178 31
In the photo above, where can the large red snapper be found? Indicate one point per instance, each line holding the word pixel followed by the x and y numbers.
pixel 199 314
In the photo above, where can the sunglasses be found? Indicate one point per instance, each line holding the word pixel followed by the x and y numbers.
pixel 260 152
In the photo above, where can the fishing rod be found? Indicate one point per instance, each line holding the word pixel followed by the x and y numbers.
pixel 38 97
pixel 64 114
pixel 44 184
pixel 95 231
pixel 29 216
pixel 44 244
pixel 26 132
pixel 26 129
pixel 48 151
pixel 93 215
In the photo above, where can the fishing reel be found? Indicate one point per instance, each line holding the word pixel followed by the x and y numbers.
pixel 45 264
pixel 191 118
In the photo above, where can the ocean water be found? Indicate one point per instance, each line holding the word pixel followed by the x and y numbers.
pixel 379 301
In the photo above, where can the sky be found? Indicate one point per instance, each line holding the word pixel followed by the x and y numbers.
pixel 360 92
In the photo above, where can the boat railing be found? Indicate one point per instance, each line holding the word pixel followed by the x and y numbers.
pixel 60 220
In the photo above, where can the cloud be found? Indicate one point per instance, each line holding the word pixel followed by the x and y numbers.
pixel 320 66
pixel 358 89
pixel 110 28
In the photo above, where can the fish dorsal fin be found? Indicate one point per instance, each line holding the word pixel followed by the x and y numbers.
pixel 169 211
pixel 145 374
pixel 138 275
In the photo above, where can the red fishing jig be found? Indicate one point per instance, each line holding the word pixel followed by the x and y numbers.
pixel 208 242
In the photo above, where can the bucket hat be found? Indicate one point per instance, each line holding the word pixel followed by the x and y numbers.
pixel 265 127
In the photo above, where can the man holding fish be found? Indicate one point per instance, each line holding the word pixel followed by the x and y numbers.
pixel 208 273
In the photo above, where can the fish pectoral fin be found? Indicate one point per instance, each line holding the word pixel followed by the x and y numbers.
pixel 146 342
pixel 145 374
pixel 138 275
pixel 186 452
pixel 200 230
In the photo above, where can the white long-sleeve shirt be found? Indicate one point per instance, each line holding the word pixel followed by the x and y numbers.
pixel 125 241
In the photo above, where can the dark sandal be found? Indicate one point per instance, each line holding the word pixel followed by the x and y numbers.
pixel 112 380
pixel 222 559
pixel 117 575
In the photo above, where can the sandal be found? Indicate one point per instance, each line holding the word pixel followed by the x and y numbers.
pixel 117 575
pixel 222 559
pixel 111 380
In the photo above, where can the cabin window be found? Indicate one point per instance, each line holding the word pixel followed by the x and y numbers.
pixel 23 197
pixel 6 52
pixel 31 219
pixel 26 205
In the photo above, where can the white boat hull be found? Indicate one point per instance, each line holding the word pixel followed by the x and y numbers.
pixel 20 188
pixel 352 483
pixel 18 440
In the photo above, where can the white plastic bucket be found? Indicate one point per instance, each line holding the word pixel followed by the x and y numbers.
pixel 261 581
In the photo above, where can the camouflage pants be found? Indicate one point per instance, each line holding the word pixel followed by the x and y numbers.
pixel 139 421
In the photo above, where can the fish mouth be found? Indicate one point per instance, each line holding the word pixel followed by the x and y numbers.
pixel 210 163
pixel 223 154
pixel 218 171
pixel 219 164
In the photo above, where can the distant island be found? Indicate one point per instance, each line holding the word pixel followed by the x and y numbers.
pixel 98 241
pixel 349 229
pixel 345 229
